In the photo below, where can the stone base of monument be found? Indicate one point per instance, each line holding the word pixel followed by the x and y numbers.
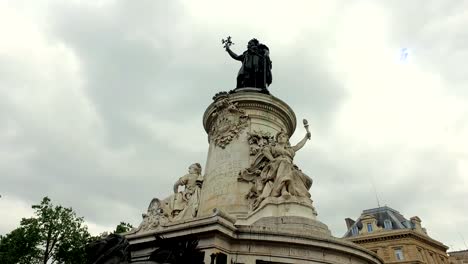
pixel 242 126
pixel 280 207
pixel 276 240
pixel 249 89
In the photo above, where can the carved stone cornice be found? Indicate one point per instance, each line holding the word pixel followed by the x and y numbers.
pixel 395 235
pixel 261 106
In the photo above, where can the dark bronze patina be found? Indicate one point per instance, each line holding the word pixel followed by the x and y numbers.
pixel 256 65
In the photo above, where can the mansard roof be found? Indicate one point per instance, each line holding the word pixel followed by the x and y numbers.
pixel 381 214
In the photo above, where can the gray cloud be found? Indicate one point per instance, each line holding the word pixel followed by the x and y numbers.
pixel 112 116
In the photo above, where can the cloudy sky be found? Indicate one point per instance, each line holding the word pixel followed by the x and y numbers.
pixel 101 102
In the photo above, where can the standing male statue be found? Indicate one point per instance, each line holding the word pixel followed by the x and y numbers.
pixel 256 65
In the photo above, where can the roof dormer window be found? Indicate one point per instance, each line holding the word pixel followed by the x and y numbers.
pixel 369 227
pixel 388 224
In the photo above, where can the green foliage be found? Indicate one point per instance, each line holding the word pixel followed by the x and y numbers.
pixel 20 246
pixel 122 228
pixel 54 233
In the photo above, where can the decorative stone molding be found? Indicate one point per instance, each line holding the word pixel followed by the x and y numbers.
pixel 218 212
pixel 285 239
pixel 274 111
pixel 256 105
pixel 229 121
pixel 156 216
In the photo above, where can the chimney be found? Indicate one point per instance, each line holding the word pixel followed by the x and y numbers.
pixel 349 222
pixel 416 221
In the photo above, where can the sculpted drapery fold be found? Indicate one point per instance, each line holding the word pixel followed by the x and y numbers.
pixel 273 173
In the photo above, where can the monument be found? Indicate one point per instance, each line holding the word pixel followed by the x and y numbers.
pixel 251 203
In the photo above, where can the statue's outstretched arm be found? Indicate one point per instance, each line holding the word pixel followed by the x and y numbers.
pixel 234 55
pixel 301 143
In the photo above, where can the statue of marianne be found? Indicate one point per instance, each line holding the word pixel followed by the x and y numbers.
pixel 256 65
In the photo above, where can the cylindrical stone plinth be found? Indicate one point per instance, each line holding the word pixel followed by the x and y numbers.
pixel 229 121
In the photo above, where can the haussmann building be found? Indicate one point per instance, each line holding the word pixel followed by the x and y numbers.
pixel 394 238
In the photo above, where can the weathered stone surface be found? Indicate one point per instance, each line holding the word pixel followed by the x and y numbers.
pixel 228 121
pixel 221 188
pixel 179 206
pixel 265 240
pixel 281 228
pixel 272 173
pixel 273 207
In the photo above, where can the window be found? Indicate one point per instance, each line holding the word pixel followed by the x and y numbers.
pixel 387 224
pixel 399 254
pixel 354 231
pixel 369 227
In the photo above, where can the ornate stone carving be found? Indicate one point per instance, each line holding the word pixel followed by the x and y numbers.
pixel 229 121
pixel 273 174
pixel 179 206
pixel 157 215
pixel 257 140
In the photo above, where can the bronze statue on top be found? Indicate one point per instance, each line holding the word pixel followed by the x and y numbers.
pixel 256 65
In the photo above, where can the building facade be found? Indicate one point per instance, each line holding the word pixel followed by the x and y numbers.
pixel 394 238
pixel 458 257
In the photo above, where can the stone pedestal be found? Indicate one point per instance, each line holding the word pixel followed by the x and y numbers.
pixel 264 113
pixel 279 208
pixel 278 230
pixel 274 240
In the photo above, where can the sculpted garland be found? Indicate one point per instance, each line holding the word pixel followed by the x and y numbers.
pixel 229 121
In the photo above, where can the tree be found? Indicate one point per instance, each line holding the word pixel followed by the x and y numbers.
pixel 55 234
pixel 20 246
pixel 122 228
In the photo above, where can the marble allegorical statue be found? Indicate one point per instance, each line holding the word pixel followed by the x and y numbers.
pixel 186 202
pixel 256 65
pixel 273 173
pixel 179 206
